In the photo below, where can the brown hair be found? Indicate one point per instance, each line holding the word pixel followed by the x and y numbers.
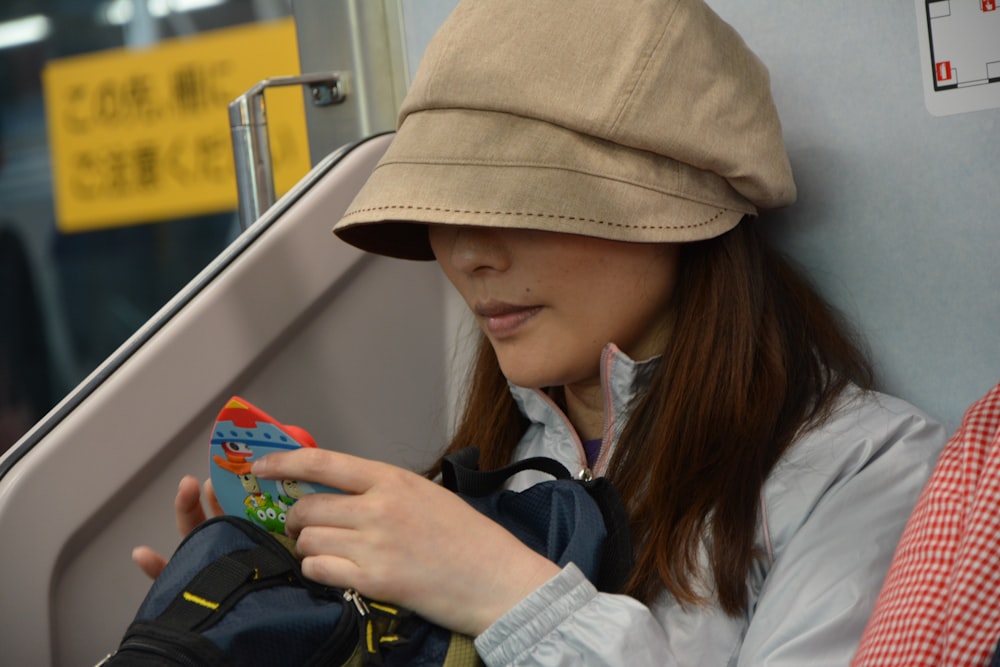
pixel 755 356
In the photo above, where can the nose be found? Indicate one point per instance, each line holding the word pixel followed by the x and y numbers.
pixel 470 249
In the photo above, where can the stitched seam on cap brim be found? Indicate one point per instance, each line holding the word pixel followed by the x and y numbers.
pixel 535 165
pixel 528 214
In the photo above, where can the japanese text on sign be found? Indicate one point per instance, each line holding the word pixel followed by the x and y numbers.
pixel 138 136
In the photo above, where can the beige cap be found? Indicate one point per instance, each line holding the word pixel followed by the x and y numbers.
pixel 631 120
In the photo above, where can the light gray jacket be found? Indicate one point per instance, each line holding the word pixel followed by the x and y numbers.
pixel 831 513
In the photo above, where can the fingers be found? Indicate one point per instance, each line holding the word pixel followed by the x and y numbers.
pixel 344 558
pixel 187 505
pixel 337 470
pixel 149 561
pixel 188 512
pixel 328 509
pixel 399 537
pixel 335 572
pixel 213 501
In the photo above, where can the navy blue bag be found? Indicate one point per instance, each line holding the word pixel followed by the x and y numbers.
pixel 233 593
pixel 566 520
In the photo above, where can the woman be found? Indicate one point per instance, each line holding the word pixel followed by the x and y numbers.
pixel 588 174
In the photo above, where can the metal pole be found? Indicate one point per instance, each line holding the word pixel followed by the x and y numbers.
pixel 251 156
pixel 251 146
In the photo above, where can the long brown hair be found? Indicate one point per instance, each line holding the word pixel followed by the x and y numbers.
pixel 755 356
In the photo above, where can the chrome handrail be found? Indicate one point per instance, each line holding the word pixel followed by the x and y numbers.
pixel 251 147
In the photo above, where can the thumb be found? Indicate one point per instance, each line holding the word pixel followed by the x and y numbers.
pixel 149 561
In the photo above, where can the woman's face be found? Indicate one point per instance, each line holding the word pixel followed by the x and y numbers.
pixel 550 302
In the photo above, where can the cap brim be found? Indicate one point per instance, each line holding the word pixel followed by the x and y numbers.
pixel 490 169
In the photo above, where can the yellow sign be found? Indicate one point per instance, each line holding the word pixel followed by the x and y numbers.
pixel 143 135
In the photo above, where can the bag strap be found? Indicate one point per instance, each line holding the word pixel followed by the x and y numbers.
pixel 460 472
pixel 617 557
pixel 211 589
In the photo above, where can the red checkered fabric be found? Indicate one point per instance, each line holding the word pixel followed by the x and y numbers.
pixel 940 604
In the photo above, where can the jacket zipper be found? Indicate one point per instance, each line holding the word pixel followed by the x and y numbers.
pixel 585 472
pixel 607 444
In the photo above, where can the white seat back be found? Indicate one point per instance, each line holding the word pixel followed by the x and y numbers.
pixel 348 346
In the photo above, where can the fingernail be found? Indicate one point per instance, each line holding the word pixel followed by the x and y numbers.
pixel 259 466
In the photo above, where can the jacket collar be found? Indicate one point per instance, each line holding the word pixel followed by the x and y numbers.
pixel 551 434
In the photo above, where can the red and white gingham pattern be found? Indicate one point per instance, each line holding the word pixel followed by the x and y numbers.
pixel 940 604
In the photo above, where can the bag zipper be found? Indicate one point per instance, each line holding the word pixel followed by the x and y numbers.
pixel 137 645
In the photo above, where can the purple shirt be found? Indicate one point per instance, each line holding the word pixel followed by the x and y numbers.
pixel 592 448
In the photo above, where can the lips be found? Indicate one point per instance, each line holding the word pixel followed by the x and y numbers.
pixel 502 319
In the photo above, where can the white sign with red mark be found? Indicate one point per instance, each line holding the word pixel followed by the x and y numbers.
pixel 960 55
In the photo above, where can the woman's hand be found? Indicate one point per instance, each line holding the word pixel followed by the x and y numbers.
pixel 398 537
pixel 189 513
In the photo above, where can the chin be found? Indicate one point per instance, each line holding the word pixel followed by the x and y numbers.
pixel 525 381
pixel 525 378
pixel 546 366
pixel 532 378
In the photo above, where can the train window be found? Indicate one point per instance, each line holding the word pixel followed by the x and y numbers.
pixel 71 294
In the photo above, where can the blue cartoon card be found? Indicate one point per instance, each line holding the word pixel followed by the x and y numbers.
pixel 242 434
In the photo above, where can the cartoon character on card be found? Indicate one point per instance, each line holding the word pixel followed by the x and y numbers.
pixel 237 457
pixel 260 508
pixel 291 490
pixel 242 434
